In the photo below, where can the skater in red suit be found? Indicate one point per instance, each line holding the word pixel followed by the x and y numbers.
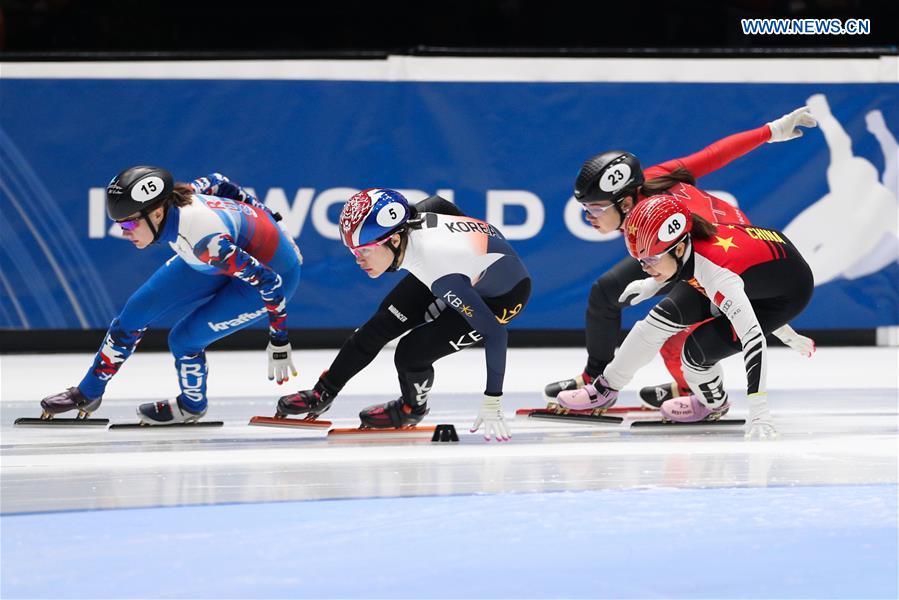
pixel 609 186
pixel 740 283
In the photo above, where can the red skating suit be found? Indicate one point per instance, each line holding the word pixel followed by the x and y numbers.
pixel 707 160
pixel 712 208
pixel 737 264
pixel 721 271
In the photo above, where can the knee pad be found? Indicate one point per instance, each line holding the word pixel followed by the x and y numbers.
pixel 408 359
pixel 605 291
pixel 434 310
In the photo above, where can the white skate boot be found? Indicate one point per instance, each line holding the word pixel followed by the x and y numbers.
pixel 167 412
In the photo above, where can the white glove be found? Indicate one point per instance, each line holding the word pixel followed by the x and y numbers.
pixel 279 359
pixel 801 344
pixel 639 290
pixel 491 416
pixel 787 127
pixel 760 422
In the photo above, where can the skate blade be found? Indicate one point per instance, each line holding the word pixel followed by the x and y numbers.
pixel 173 425
pixel 403 433
pixel 285 422
pixel 524 412
pixel 32 422
pixel 571 416
pixel 723 424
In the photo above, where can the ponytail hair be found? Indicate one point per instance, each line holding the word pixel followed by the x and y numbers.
pixel 182 195
pixel 662 183
pixel 702 229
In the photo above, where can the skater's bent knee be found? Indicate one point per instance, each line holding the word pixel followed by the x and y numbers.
pixel 605 291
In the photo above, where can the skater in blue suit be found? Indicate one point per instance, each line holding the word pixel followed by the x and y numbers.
pixel 231 256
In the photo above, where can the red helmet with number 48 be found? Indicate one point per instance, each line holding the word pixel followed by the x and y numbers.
pixel 655 226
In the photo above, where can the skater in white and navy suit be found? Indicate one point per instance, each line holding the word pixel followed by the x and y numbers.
pixel 465 284
pixel 231 257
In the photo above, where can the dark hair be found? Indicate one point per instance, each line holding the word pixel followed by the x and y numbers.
pixel 663 183
pixel 413 222
pixel 182 195
pixel 702 229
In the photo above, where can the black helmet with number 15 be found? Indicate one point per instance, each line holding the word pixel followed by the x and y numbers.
pixel 137 190
pixel 610 176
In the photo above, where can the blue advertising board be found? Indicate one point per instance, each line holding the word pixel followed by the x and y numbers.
pixel 507 151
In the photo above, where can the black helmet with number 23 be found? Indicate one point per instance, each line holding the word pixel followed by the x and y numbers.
pixel 610 176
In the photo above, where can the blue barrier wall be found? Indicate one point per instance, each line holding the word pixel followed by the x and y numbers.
pixel 509 151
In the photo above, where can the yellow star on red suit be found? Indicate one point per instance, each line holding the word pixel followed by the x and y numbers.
pixel 725 243
pixel 632 229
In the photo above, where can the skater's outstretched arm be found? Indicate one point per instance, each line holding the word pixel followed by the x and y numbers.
pixel 456 290
pixel 716 155
pixel 216 184
pixel 220 252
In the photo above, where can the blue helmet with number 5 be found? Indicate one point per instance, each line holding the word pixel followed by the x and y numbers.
pixel 608 176
pixel 372 215
pixel 137 190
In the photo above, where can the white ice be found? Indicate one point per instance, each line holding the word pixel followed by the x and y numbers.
pixel 798 509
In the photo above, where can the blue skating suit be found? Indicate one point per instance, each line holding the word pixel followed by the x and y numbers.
pixel 231 256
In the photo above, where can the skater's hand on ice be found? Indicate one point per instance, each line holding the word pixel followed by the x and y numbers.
pixel 760 424
pixel 801 344
pixel 491 417
pixel 279 360
pixel 787 127
pixel 639 290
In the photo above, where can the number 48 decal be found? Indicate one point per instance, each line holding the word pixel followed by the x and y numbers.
pixel 674 227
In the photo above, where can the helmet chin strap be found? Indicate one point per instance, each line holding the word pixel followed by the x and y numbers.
pixel 397 250
pixel 682 259
pixel 621 214
pixel 156 231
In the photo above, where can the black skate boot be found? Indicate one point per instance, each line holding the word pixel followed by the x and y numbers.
pixel 394 414
pixel 552 390
pixel 654 395
pixel 167 412
pixel 70 399
pixel 312 402
pixel 406 411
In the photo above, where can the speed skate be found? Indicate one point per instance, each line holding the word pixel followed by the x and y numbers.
pixel 641 418
pixel 361 432
pixel 56 422
pixel 387 433
pixel 147 426
pixel 276 421
pixel 88 422
pixel 556 412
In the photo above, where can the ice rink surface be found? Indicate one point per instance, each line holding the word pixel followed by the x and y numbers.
pixel 560 511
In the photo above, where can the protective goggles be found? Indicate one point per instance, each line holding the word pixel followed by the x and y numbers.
pixel 366 249
pixel 129 224
pixel 596 210
pixel 653 260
